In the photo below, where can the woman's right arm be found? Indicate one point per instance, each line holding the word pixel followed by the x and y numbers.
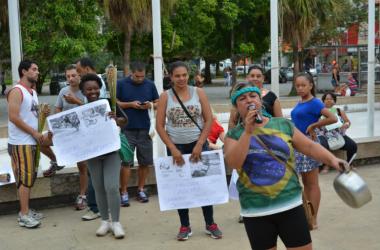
pixel 160 128
pixel 232 122
pixel 235 151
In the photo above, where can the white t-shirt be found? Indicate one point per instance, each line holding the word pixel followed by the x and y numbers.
pixel 103 89
pixel 28 114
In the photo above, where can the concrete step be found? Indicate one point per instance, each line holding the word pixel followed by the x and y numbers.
pixel 62 188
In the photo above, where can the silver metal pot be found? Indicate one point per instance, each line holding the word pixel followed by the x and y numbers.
pixel 351 188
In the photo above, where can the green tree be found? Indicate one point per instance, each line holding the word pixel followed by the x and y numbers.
pixel 132 17
pixel 4 34
pixel 216 29
pixel 58 32
pixel 315 21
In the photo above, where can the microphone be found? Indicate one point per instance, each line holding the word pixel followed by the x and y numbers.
pixel 259 119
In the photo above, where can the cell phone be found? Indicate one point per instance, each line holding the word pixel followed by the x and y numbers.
pixel 142 103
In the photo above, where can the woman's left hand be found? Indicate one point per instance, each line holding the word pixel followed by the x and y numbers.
pixel 310 131
pixel 196 154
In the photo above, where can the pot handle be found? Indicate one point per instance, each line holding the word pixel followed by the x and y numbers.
pixel 347 166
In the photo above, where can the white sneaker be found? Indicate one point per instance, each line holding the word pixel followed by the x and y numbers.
pixel 104 228
pixel 118 230
pixel 90 215
pixel 36 215
pixel 28 221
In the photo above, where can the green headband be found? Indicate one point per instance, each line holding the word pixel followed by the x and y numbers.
pixel 239 92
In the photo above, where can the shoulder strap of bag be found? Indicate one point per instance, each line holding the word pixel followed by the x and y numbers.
pixel 121 111
pixel 185 109
pixel 271 153
pixel 268 150
pixel 338 111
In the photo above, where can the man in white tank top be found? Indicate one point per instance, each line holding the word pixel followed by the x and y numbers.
pixel 23 137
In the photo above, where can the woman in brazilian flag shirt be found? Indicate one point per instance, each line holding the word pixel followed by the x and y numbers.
pixel 269 190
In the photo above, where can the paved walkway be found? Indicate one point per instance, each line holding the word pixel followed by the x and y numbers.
pixel 340 227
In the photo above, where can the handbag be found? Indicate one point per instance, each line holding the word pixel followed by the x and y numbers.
pixel 152 117
pixel 334 139
pixel 307 205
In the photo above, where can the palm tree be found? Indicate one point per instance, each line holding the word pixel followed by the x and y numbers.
pixel 132 17
pixel 300 18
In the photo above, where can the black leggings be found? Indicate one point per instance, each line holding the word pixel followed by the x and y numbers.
pixel 349 146
pixel 208 212
pixel 290 226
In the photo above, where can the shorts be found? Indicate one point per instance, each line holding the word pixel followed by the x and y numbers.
pixel 334 83
pixel 305 163
pixel 23 164
pixel 140 140
pixel 290 225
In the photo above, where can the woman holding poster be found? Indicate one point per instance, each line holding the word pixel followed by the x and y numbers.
pixel 105 171
pixel 262 150
pixel 189 119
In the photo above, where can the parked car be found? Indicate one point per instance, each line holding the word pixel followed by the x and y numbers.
pixel 57 82
pixel 240 70
pixel 288 72
pixel 267 77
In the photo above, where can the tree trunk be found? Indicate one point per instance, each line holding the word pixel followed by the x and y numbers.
pixel 207 71
pixel 296 69
pixel 233 57
pixel 127 50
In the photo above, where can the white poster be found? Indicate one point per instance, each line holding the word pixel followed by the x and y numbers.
pixel 83 133
pixel 232 189
pixel 193 184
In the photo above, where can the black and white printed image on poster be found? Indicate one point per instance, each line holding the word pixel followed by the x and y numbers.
pixel 83 133
pixel 193 184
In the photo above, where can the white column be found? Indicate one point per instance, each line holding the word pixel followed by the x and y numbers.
pixel 275 86
pixel 371 68
pixel 15 37
pixel 158 145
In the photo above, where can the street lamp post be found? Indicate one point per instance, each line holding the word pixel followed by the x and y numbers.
pixel 15 37
pixel 158 61
pixel 275 86
pixel 371 68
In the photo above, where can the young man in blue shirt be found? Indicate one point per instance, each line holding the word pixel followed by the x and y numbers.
pixel 135 96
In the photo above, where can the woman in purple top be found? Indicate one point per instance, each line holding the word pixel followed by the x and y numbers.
pixel 305 117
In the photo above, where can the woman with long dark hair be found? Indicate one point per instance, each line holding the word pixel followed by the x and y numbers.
pixel 185 135
pixel 305 116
